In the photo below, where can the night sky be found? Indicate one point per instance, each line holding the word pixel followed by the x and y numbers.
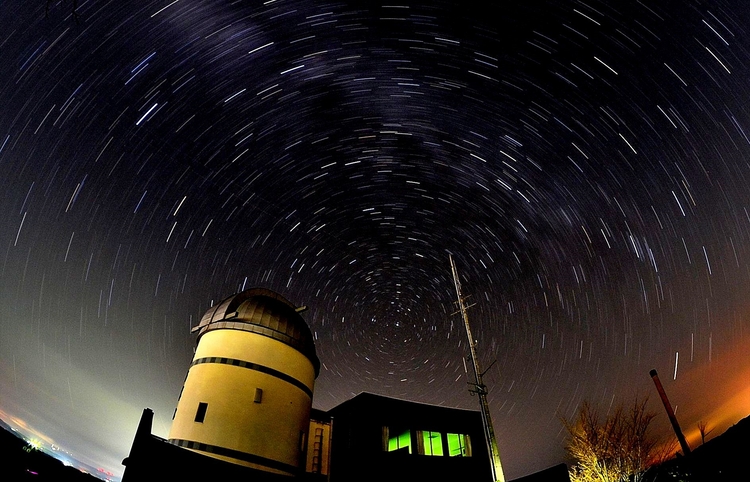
pixel 585 162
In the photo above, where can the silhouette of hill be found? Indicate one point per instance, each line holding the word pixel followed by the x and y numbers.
pixel 723 458
pixel 21 461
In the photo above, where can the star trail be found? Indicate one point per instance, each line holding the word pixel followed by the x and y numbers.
pixel 584 162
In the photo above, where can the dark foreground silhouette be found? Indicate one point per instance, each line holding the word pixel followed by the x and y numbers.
pixel 23 462
pixel 723 458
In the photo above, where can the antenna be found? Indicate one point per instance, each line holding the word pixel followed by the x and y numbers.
pixel 479 387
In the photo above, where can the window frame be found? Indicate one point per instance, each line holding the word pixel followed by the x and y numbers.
pixel 463 442
pixel 200 414
pixel 431 443
pixel 398 442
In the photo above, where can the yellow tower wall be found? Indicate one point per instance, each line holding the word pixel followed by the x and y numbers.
pixel 229 365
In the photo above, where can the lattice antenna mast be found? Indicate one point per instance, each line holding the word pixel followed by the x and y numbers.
pixel 479 387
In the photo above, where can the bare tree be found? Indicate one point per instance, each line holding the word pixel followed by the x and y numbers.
pixel 615 448
pixel 702 428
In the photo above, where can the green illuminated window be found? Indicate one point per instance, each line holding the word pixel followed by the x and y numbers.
pixel 432 443
pixel 459 445
pixel 400 442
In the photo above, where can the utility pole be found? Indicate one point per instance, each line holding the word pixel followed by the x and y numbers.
pixel 670 413
pixel 479 387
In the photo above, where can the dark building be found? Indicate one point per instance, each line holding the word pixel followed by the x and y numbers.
pixel 368 437
pixel 389 439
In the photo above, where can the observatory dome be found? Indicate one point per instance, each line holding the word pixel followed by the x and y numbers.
pixel 264 312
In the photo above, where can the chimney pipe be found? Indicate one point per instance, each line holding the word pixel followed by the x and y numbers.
pixel 670 413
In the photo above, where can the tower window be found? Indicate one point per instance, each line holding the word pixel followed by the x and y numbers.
pixel 258 395
pixel 200 415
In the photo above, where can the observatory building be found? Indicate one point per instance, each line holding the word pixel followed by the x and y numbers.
pixel 248 392
pixel 245 404
pixel 245 413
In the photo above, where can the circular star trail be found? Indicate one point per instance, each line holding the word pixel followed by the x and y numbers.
pixel 584 162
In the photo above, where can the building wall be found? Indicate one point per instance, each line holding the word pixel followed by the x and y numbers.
pixel 362 429
pixel 152 458
pixel 265 430
pixel 319 448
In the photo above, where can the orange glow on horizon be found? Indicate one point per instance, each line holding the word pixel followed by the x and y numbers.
pixel 18 422
pixel 716 393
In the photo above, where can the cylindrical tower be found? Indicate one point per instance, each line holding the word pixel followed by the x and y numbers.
pixel 248 392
